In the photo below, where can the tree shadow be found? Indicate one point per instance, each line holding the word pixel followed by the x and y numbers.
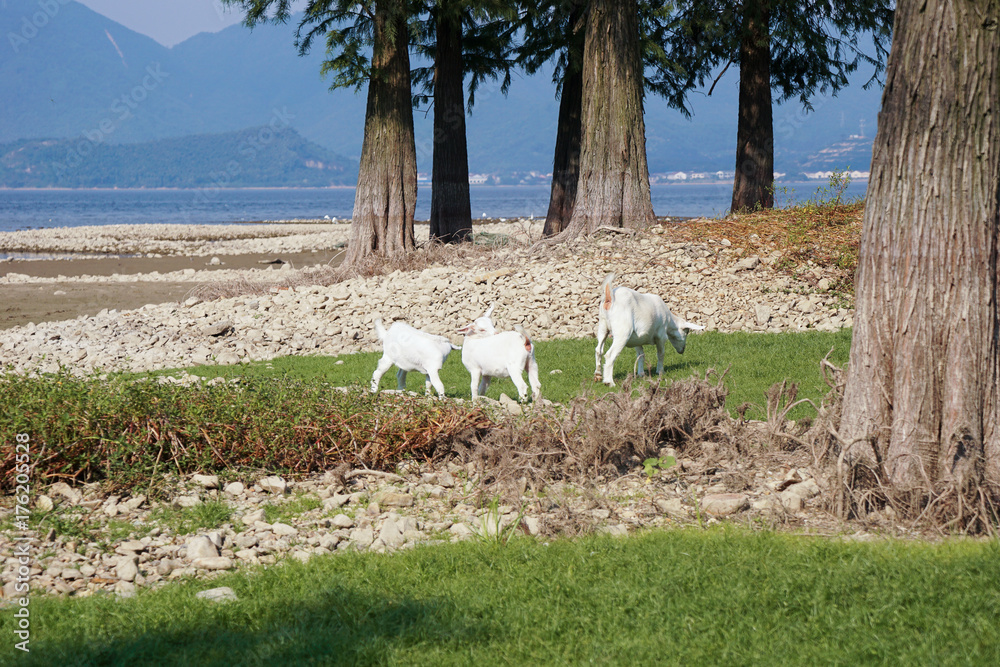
pixel 336 625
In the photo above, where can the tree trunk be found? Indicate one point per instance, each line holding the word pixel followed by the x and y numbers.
pixel 566 162
pixel 922 401
pixel 451 211
pixel 753 186
pixel 613 187
pixel 387 179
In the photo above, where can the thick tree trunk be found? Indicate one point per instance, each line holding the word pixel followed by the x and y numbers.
pixel 387 179
pixel 613 187
pixel 566 162
pixel 922 402
pixel 451 211
pixel 754 181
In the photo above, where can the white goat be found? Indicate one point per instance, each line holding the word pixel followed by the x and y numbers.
pixel 487 354
pixel 411 350
pixel 635 319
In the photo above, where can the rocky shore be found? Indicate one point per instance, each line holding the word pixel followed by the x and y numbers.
pixel 550 291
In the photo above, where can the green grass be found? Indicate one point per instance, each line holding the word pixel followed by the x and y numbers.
pixel 722 597
pixel 208 515
pixel 755 362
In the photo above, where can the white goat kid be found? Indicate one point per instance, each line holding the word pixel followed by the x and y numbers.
pixel 487 354
pixel 411 350
pixel 635 319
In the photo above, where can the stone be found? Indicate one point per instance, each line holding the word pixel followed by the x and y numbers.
pixel 221 594
pixel 217 329
pixel 130 547
pixel 66 491
pixel 127 568
pixel 273 484
pixel 673 506
pixel 253 517
pixel 234 489
pixel 393 499
pixel 125 589
pixel 390 534
pixel 791 501
pixel 283 530
pixel 762 314
pixel 43 503
pixel 206 481
pixel 806 490
pixel 342 521
pixel 187 501
pixel 216 563
pixel 201 546
pixel 533 524
pixel 362 537
pixel 335 501
pixel 510 405
pixel 724 504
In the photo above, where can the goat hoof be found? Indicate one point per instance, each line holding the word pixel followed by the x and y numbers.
pixel 597 377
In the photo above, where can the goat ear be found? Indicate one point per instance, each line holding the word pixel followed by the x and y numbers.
pixel 690 326
pixel 489 311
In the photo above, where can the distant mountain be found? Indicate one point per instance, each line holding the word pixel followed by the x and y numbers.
pixel 262 156
pixel 77 74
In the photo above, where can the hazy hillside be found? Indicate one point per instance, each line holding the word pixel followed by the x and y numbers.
pixel 82 75
pixel 255 157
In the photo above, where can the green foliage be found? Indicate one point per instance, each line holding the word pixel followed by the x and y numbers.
pixel 290 509
pixel 813 48
pixel 653 466
pixel 715 597
pixel 127 432
pixel 185 520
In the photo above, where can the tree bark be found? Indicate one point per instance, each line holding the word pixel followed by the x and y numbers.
pixel 387 180
pixel 922 401
pixel 613 187
pixel 566 161
pixel 753 186
pixel 451 210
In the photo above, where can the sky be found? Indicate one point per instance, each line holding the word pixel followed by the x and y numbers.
pixel 169 22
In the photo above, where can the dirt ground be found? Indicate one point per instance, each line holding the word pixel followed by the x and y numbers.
pixel 66 300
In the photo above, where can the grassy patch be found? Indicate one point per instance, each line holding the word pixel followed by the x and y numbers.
pixel 755 362
pixel 291 509
pixel 184 520
pixel 683 597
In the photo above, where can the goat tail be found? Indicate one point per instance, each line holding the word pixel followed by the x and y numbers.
pixel 379 329
pixel 524 334
pixel 607 294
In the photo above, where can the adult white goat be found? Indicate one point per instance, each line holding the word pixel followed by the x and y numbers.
pixel 487 354
pixel 635 319
pixel 411 349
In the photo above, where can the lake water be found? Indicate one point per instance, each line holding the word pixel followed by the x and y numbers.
pixel 33 209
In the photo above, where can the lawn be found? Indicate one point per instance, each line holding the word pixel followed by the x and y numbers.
pixel 717 597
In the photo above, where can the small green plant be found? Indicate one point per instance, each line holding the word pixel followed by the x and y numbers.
pixel 654 466
pixel 491 529
pixel 204 516
pixel 291 509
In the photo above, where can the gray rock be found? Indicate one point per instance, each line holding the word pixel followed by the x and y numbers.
pixel 127 568
pixel 273 484
pixel 362 537
pixel 234 488
pixel 393 499
pixel 200 546
pixel 253 517
pixel 806 490
pixel 187 501
pixel 724 504
pixel 206 481
pixel 283 530
pixel 216 563
pixel 342 521
pixel 217 329
pixel 391 535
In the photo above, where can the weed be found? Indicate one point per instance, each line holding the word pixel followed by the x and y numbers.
pixel 291 509
pixel 655 465
pixel 185 520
